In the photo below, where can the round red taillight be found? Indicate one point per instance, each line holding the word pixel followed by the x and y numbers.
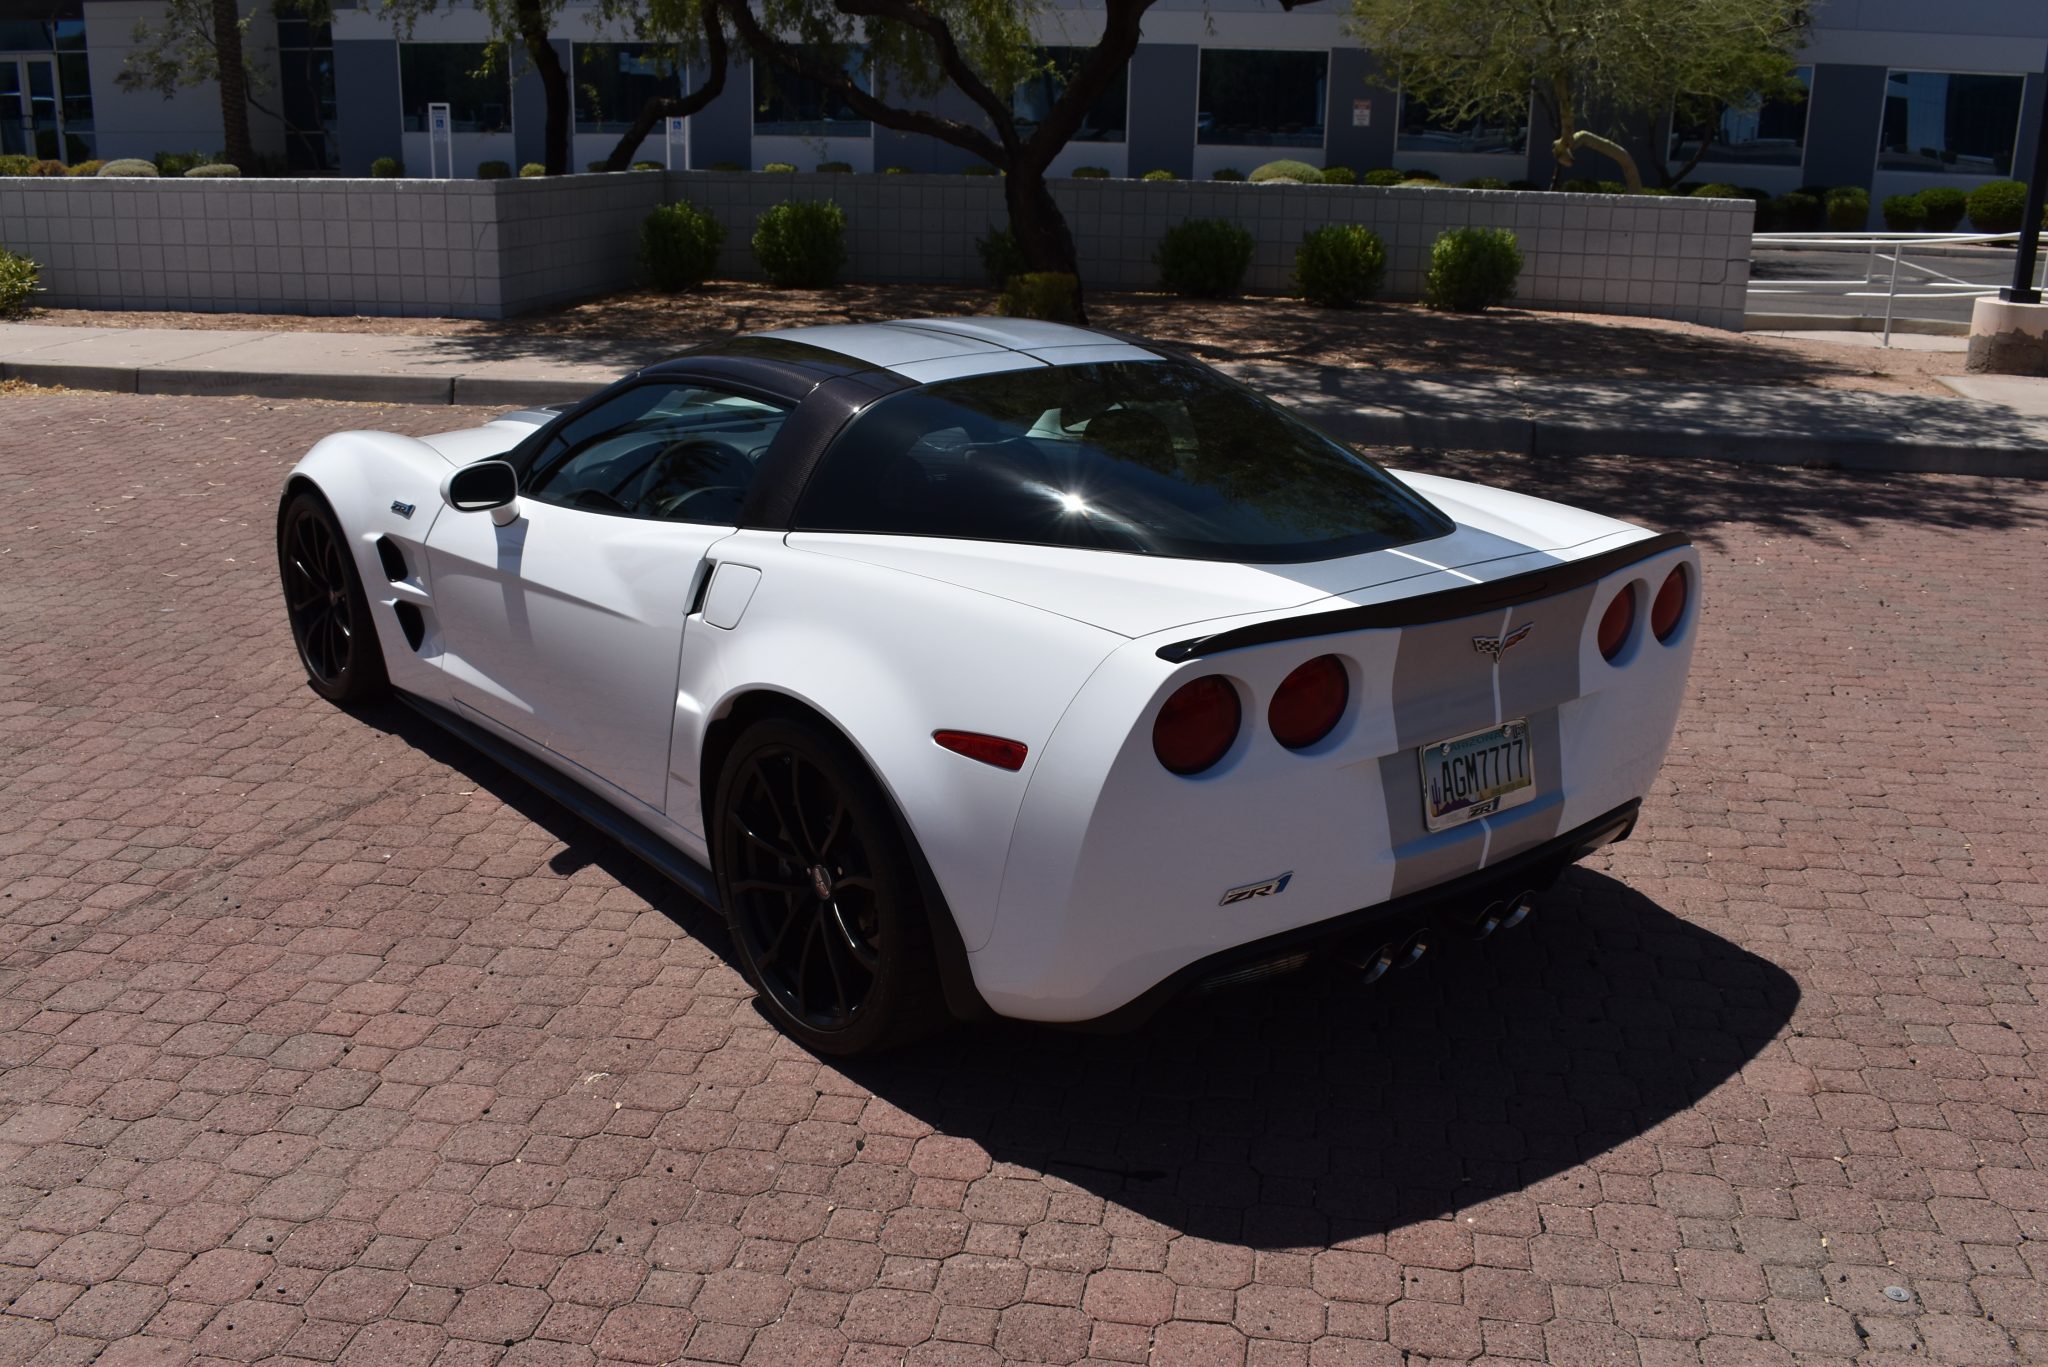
pixel 1617 622
pixel 1669 608
pixel 1310 702
pixel 1197 725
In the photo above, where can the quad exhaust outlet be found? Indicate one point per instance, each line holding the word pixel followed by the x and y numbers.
pixel 1505 915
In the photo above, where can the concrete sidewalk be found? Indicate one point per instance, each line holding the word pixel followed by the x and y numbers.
pixel 2002 431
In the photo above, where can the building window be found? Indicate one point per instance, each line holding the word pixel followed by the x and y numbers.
pixel 1105 120
pixel 1772 134
pixel 1936 121
pixel 1422 129
pixel 305 62
pixel 454 74
pixel 788 105
pixel 45 90
pixel 614 82
pixel 1262 99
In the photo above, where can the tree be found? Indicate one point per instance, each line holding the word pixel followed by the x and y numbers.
pixel 1585 59
pixel 982 48
pixel 529 24
pixel 199 42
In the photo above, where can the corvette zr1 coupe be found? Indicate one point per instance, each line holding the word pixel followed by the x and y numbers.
pixel 987 665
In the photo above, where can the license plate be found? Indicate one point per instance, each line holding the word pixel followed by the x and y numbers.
pixel 1475 775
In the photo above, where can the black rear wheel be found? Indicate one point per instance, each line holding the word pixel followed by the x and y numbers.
pixel 822 896
pixel 325 602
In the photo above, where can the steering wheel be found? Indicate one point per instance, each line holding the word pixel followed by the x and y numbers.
pixel 672 477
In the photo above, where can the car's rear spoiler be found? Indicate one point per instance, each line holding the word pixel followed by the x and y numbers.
pixel 1444 605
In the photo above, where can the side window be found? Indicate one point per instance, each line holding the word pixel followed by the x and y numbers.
pixel 675 451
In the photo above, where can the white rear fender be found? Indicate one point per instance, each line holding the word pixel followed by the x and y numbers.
pixel 888 658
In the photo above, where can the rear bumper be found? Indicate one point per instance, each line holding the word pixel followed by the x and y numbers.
pixel 1291 949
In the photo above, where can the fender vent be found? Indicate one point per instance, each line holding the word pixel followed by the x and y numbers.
pixel 393 560
pixel 411 622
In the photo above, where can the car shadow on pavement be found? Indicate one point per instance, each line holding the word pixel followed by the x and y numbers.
pixel 1313 1109
pixel 1316 1110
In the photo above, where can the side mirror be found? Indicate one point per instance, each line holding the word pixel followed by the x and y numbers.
pixel 488 486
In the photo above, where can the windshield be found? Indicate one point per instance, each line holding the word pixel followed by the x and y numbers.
pixel 1148 457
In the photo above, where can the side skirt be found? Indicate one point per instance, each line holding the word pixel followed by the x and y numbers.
pixel 665 858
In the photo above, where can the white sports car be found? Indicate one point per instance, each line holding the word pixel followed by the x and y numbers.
pixel 986 665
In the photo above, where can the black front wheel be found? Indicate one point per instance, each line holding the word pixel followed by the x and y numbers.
pixel 822 896
pixel 325 602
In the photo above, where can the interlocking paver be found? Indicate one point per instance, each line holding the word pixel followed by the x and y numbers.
pixel 315 1026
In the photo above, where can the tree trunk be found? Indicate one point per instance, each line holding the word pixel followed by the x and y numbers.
pixel 1614 152
pixel 554 83
pixel 671 107
pixel 1040 228
pixel 234 85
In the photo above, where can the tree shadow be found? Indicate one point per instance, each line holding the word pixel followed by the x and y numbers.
pixel 1312 1110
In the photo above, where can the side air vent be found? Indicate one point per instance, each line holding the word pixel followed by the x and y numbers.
pixel 393 560
pixel 411 623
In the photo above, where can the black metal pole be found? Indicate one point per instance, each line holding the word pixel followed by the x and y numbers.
pixel 2022 289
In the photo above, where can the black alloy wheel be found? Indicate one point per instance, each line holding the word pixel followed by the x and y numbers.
pixel 822 898
pixel 324 599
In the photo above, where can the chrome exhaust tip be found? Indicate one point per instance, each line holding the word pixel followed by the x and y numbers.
pixel 1489 920
pixel 1519 909
pixel 1412 949
pixel 1378 964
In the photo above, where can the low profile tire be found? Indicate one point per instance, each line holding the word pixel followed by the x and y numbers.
pixel 822 897
pixel 325 602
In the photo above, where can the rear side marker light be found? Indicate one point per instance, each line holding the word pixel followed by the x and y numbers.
pixel 1617 622
pixel 1003 754
pixel 1669 608
pixel 1198 725
pixel 1309 702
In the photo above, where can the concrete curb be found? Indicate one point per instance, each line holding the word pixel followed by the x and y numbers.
pixel 1848 322
pixel 1376 427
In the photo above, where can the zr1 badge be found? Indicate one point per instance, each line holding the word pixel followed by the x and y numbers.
pixel 1270 887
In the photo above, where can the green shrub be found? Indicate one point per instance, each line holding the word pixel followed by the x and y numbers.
pixel 15 164
pixel 1656 190
pixel 1286 169
pixel 533 170
pixel 1483 183
pixel 779 167
pixel 726 166
pixel 648 166
pixel 1848 209
pixel 1050 295
pixel 1472 269
pixel 1089 173
pixel 46 167
pixel 178 163
pixel 1385 175
pixel 1428 177
pixel 1945 206
pixel 1001 257
pixel 895 170
pixel 1904 214
pixel 216 170
pixel 128 166
pixel 839 168
pixel 1339 175
pixel 17 283
pixel 387 168
pixel 801 244
pixel 980 168
pixel 1715 189
pixel 1997 206
pixel 85 168
pixel 1204 257
pixel 1159 175
pixel 1339 264
pixel 679 246
pixel 1228 173
pixel 494 170
pixel 1797 213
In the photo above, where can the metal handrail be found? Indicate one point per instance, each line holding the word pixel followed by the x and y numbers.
pixel 1933 285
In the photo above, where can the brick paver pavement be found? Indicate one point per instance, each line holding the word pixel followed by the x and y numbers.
pixel 322 1040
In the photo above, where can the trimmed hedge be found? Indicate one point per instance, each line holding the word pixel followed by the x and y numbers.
pixel 494 170
pixel 1904 214
pixel 1161 174
pixel 1385 175
pixel 1204 258
pixel 129 166
pixel 779 167
pixel 1483 183
pixel 1848 209
pixel 1287 169
pixel 1052 296
pixel 801 243
pixel 679 246
pixel 216 170
pixel 1472 269
pixel 835 167
pixel 1339 175
pixel 533 170
pixel 1998 206
pixel 1089 173
pixel 1339 265
pixel 387 168
pixel 1945 206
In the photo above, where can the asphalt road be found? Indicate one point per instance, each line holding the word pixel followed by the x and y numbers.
pixel 323 1040
pixel 1774 268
